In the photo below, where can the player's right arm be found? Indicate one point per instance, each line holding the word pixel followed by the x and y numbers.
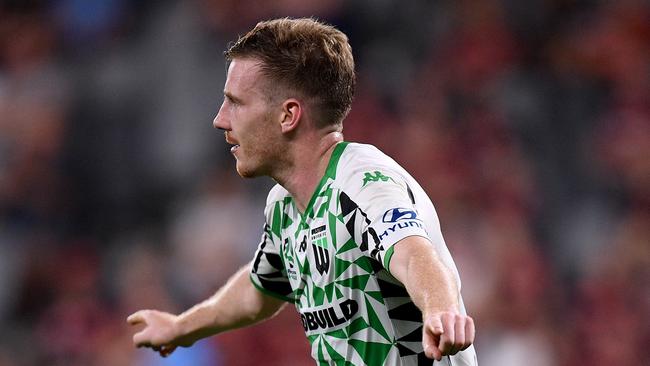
pixel 237 304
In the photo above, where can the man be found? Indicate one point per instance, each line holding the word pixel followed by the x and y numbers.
pixel 350 237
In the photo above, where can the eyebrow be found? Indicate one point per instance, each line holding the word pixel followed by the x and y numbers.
pixel 231 97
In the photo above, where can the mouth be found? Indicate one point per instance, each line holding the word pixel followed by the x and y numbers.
pixel 232 142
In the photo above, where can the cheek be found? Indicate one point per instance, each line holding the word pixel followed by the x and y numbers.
pixel 261 130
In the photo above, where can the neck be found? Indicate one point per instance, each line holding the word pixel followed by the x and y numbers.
pixel 308 163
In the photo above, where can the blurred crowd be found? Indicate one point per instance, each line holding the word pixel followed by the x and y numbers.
pixel 527 122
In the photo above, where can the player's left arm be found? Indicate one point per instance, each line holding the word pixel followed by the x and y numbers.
pixel 434 290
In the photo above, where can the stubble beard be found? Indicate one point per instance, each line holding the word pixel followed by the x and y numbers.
pixel 265 152
pixel 265 159
pixel 250 167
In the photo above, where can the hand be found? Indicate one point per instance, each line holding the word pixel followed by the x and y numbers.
pixel 159 332
pixel 446 333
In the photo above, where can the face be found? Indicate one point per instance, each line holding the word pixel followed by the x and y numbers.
pixel 248 118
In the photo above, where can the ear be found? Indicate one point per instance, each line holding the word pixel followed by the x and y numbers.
pixel 291 114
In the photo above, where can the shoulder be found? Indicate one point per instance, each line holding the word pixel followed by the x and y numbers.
pixel 359 153
pixel 361 164
pixel 276 194
pixel 360 156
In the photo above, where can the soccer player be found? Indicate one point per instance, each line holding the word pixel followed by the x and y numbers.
pixel 350 239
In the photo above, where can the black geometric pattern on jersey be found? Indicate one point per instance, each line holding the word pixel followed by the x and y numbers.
pixel 423 360
pixel 406 311
pixel 404 351
pixel 414 336
pixel 350 207
pixel 410 192
pixel 391 290
pixel 273 281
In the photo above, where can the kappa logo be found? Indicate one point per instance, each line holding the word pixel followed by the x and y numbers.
pixel 399 214
pixel 377 177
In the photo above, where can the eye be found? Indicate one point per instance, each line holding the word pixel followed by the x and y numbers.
pixel 232 100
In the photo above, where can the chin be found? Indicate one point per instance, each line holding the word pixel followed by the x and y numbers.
pixel 245 172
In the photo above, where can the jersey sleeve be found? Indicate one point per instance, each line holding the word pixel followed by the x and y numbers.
pixel 267 271
pixel 387 205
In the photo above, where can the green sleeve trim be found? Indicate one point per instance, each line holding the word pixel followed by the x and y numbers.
pixel 270 293
pixel 391 250
pixel 388 256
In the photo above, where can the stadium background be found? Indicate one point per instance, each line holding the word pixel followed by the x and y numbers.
pixel 528 122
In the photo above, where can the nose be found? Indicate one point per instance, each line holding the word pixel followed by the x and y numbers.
pixel 220 121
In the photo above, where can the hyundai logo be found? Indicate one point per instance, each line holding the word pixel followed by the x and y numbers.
pixel 398 214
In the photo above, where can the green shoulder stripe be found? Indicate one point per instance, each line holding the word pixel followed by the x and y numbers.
pixel 330 172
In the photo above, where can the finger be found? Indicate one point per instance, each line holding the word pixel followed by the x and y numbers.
pixel 430 345
pixel 136 318
pixel 140 339
pixel 459 334
pixel 470 332
pixel 435 325
pixel 447 337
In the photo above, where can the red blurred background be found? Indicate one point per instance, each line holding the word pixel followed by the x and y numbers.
pixel 528 123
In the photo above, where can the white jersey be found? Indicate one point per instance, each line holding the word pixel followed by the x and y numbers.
pixel 332 260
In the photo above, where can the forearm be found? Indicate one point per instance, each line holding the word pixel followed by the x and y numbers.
pixel 430 284
pixel 237 304
pixel 433 288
